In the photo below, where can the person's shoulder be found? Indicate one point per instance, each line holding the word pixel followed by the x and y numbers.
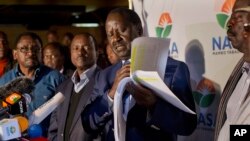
pixel 172 61
pixel 112 68
pixel 49 72
pixel 7 77
pixel 64 85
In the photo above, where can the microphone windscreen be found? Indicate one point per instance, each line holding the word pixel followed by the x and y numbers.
pixel 23 123
pixel 22 85
pixel 35 131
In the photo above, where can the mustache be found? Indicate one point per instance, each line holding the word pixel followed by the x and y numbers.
pixel 82 56
pixel 230 32
pixel 117 44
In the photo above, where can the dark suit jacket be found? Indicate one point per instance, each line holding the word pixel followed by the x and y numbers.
pixel 166 122
pixel 58 117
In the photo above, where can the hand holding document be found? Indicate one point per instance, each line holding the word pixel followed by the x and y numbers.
pixel 148 64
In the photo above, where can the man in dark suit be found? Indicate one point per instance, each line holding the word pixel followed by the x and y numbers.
pixel 66 124
pixel 151 118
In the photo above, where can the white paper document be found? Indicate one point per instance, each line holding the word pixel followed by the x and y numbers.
pixel 152 80
pixel 148 64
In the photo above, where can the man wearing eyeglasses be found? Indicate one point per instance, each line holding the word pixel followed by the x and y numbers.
pixel 27 52
pixel 234 107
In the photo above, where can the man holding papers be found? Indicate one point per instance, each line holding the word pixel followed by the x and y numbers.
pixel 151 118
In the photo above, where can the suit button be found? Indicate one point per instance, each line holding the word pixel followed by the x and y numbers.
pixel 62 135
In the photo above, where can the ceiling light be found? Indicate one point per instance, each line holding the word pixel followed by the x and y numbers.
pixel 85 24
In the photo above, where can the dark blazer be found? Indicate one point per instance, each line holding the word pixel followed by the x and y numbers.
pixel 58 117
pixel 166 120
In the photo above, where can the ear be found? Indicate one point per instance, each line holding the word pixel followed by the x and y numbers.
pixel 14 53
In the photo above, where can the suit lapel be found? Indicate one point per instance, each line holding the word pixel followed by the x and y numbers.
pixel 85 95
pixel 65 106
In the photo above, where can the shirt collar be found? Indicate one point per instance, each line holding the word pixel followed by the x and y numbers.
pixel 85 75
pixel 18 71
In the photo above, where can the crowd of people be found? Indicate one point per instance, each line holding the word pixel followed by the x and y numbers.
pixel 71 67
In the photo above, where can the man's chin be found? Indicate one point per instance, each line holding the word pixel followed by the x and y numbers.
pixel 124 56
pixel 31 65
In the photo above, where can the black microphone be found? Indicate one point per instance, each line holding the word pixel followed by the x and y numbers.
pixel 15 96
pixel 20 85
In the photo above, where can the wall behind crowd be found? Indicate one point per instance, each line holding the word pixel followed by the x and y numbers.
pixel 197 30
pixel 14 30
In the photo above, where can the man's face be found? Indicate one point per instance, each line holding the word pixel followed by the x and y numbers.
pixel 236 25
pixel 120 34
pixel 53 58
pixel 27 52
pixel 236 32
pixel 3 47
pixel 83 54
pixel 112 57
pixel 66 41
pixel 52 38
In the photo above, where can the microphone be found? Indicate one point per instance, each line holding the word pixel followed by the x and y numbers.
pixel 12 128
pixel 23 123
pixel 20 85
pixel 35 133
pixel 15 96
pixel 44 110
pixel 15 104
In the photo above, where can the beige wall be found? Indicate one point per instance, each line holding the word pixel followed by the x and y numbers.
pixel 14 30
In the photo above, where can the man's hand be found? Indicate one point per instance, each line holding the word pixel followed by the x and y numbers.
pixel 142 95
pixel 120 74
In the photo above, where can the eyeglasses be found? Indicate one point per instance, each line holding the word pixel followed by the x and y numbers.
pixel 27 49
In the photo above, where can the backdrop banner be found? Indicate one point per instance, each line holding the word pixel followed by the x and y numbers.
pixel 197 30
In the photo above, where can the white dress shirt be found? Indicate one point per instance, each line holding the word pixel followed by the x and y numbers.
pixel 235 103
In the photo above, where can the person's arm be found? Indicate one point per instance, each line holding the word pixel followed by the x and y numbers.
pixel 99 112
pixel 162 115
pixel 96 115
pixel 169 118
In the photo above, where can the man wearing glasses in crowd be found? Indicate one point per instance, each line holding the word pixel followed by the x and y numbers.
pixel 27 53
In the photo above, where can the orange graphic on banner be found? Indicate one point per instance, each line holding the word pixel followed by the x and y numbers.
pixel 164 26
pixel 227 6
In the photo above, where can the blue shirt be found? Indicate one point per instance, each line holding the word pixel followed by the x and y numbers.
pixel 45 80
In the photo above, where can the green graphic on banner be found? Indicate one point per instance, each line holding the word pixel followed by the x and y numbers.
pixel 223 16
pixel 203 101
pixel 164 27
pixel 205 93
